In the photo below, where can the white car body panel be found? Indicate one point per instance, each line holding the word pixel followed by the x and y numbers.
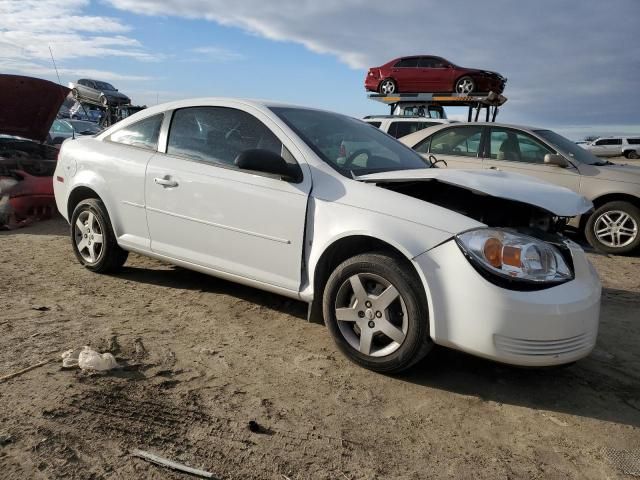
pixel 271 234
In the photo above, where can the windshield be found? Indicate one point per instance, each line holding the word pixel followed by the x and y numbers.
pixel 348 145
pixel 575 151
pixel 84 127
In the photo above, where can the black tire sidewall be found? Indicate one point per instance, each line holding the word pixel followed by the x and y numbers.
pixel 463 78
pixel 626 207
pixel 111 254
pixel 395 86
pixel 417 341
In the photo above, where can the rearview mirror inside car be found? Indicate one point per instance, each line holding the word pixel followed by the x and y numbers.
pixel 555 159
pixel 266 161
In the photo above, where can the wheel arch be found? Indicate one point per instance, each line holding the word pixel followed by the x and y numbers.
pixel 606 198
pixel 82 192
pixel 347 246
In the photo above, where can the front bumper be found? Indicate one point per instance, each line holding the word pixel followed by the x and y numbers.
pixel 537 328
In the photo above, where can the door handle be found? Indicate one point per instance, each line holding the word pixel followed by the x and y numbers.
pixel 165 182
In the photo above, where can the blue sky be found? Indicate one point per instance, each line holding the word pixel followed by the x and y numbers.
pixel 567 68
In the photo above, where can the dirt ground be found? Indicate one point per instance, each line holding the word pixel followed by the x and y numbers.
pixel 212 356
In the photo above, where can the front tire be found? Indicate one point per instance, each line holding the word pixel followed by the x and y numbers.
pixel 465 85
pixel 93 240
pixel 388 87
pixel 376 311
pixel 614 228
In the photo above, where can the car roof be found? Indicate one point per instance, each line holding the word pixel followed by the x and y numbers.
pixel 421 134
pixel 408 118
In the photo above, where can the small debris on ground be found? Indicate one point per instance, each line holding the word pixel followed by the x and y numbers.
pixel 163 462
pixel 5 439
pixel 88 359
pixel 255 427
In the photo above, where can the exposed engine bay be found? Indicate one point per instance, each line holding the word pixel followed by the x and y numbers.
pixel 490 210
pixel 26 183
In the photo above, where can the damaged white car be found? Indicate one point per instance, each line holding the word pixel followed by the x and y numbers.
pixel 395 256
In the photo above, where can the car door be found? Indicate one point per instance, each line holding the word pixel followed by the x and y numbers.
pixel 433 75
pixel 517 151
pixel 458 146
pixel 405 74
pixel 203 210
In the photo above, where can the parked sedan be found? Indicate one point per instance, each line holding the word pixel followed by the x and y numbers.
pixel 394 256
pixel 614 227
pixel 431 74
pixel 63 129
pixel 97 91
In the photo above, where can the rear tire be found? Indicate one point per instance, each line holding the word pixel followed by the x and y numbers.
pixel 93 240
pixel 383 326
pixel 388 86
pixel 631 154
pixel 614 228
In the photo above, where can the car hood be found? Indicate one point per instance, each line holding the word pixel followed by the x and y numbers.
pixel 559 201
pixel 618 172
pixel 29 106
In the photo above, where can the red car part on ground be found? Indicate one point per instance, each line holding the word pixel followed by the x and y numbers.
pixel 28 107
pixel 430 74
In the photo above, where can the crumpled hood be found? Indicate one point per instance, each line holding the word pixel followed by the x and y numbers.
pixel 559 201
pixel 28 106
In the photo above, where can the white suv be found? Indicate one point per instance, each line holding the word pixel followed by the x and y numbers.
pixel 400 126
pixel 615 146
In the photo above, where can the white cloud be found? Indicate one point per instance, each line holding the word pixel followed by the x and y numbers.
pixel 575 60
pixel 28 28
pixel 212 53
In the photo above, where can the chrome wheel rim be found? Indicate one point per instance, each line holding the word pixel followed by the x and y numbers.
pixel 371 314
pixel 88 236
pixel 615 229
pixel 387 87
pixel 465 86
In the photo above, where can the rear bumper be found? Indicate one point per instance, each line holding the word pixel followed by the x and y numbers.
pixel 547 327
pixel 371 83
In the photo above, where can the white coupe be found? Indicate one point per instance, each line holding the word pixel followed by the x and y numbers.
pixel 393 255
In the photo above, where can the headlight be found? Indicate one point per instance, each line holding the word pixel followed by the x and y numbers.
pixel 514 257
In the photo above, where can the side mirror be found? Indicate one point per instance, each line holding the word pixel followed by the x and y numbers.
pixel 555 159
pixel 266 161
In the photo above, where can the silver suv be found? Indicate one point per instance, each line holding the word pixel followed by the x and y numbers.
pixel 615 147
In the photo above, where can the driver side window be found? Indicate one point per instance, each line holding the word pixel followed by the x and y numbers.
pixel 218 135
pixel 458 141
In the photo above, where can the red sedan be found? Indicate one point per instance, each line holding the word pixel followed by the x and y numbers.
pixel 431 74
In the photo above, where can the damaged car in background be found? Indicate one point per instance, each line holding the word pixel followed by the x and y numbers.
pixel 392 254
pixel 29 107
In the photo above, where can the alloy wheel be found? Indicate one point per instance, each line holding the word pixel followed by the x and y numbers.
pixel 465 86
pixel 615 229
pixel 88 236
pixel 388 87
pixel 371 314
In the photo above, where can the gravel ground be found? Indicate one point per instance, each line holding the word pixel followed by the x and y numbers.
pixel 207 357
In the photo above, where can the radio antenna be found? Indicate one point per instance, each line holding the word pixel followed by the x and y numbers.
pixel 54 65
